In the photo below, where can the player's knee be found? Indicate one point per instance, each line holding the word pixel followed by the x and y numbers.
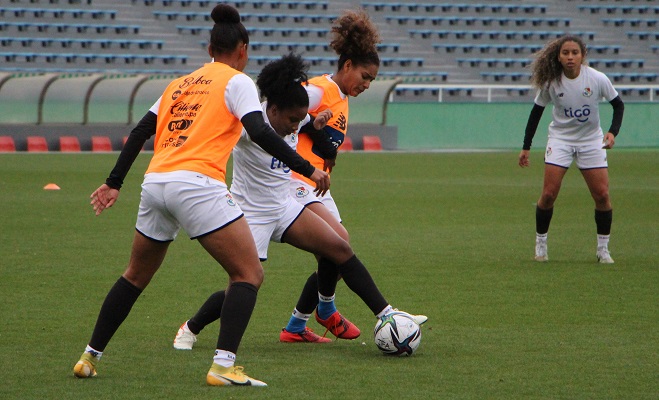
pixel 547 199
pixel 601 198
pixel 138 278
pixel 253 276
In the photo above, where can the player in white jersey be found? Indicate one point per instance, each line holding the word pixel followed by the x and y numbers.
pixel 575 90
pixel 261 188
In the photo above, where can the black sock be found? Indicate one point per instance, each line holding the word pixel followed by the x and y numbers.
pixel 309 297
pixel 328 275
pixel 358 279
pixel 208 313
pixel 542 219
pixel 603 219
pixel 115 309
pixel 239 303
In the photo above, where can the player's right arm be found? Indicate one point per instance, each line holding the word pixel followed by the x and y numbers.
pixel 531 127
pixel 108 193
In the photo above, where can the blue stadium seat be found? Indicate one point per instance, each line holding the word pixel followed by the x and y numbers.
pixel 240 4
pixel 633 76
pixel 642 35
pixel 505 76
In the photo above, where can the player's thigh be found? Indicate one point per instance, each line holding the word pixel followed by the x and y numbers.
pixel 329 217
pixel 233 247
pixel 311 233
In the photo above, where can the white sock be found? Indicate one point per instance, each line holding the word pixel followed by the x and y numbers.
pixel 541 236
pixel 326 299
pixel 224 358
pixel 603 240
pixel 386 311
pixel 95 353
pixel 300 315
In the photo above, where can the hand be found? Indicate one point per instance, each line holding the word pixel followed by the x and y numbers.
pixel 328 164
pixel 322 118
pixel 322 180
pixel 609 141
pixel 103 197
pixel 524 158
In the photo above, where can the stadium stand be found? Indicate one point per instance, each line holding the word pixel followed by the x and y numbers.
pixel 117 57
pixel 163 36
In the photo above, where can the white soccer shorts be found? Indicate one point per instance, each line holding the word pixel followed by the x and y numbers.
pixel 588 155
pixel 195 202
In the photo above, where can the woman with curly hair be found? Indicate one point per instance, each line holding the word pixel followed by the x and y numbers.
pixel 261 187
pixel 562 77
pixel 354 39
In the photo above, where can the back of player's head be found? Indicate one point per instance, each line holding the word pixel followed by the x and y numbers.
pixel 281 82
pixel 228 31
pixel 355 37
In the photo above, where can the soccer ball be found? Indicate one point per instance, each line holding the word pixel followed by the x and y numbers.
pixel 397 334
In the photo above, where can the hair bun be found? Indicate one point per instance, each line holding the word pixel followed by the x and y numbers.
pixel 225 14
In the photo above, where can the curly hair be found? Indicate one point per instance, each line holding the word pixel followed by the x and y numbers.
pixel 281 82
pixel 228 31
pixel 546 68
pixel 355 37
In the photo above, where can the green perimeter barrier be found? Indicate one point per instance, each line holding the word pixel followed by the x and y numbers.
pixel 501 125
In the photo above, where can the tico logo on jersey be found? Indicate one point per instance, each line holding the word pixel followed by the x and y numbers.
pixel 581 114
pixel 587 92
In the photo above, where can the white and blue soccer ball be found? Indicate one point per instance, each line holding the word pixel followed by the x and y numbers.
pixel 397 334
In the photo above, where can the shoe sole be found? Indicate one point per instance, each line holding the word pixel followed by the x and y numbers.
pixel 300 339
pixel 217 380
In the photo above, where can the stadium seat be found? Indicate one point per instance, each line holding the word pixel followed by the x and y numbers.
pixel 101 143
pixel 37 144
pixel 346 145
pixel 7 144
pixel 69 144
pixel 372 143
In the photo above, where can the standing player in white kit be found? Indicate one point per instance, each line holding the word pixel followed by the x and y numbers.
pixel 575 89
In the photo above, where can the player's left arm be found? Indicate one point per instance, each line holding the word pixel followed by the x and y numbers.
pixel 616 122
pixel 322 141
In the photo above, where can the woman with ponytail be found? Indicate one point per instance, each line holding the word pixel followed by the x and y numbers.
pixel 196 122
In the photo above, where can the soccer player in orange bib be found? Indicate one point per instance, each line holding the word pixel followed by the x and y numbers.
pixel 354 39
pixel 197 122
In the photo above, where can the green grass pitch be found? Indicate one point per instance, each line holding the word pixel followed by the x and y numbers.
pixel 450 235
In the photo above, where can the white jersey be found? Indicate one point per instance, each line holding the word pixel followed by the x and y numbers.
pixel 260 181
pixel 575 118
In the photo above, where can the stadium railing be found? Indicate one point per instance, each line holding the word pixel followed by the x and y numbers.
pixel 492 93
